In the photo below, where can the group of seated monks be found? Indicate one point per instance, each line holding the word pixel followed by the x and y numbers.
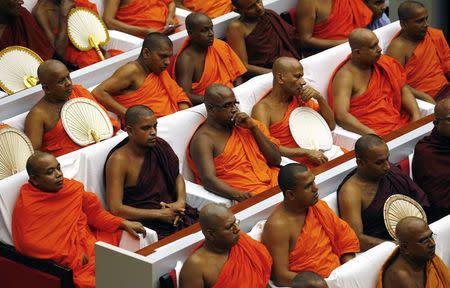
pixel 236 155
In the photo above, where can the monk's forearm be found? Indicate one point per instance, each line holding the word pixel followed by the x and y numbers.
pixel 115 24
pixel 284 279
pixel 367 242
pixel 253 70
pixel 179 4
pixel 195 98
pixel 422 95
pixel 293 152
pixel 351 123
pixel 181 189
pixel 270 151
pixel 136 214
pixel 172 8
pixel 409 103
pixel 219 187
pixel 314 43
pixel 108 101
pixel 326 113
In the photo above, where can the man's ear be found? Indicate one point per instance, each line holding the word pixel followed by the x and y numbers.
pixel 279 78
pixel 209 234
pixel 289 194
pixel 146 52
pixel 33 180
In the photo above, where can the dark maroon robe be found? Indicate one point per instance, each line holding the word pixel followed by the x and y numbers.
pixel 395 182
pixel 443 93
pixel 271 38
pixel 156 184
pixel 24 31
pixel 431 171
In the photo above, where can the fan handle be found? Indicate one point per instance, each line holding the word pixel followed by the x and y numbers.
pixel 30 81
pixel 94 136
pixel 94 43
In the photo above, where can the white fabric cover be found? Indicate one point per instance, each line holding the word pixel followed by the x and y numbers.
pixel 332 202
pixel 256 232
pixel 132 244
pixel 18 121
pixel 441 229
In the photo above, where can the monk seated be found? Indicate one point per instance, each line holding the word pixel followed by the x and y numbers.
pixel 362 193
pixel 142 178
pixel 414 263
pixel 18 27
pixel 379 18
pixel 227 257
pixel 275 109
pixel 369 90
pixel 325 24
pixel 303 233
pixel 431 162
pixel 55 219
pixel 260 36
pixel 141 17
pixel 231 154
pixel 203 60
pixel 43 125
pixel 144 81
pixel 212 9
pixel 424 53
pixel 308 279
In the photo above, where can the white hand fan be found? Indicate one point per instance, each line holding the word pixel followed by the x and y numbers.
pixel 397 207
pixel 85 121
pixel 15 148
pixel 86 30
pixel 310 130
pixel 18 68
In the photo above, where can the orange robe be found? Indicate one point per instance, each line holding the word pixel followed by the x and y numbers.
pixel 380 106
pixel 323 240
pixel 345 16
pixel 2 125
pixel 248 265
pixel 56 141
pixel 160 93
pixel 437 273
pixel 211 8
pixel 241 164
pixel 145 13
pixel 222 66
pixel 62 227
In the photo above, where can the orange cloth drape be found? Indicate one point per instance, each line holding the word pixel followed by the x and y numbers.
pixel 56 141
pixel 323 240
pixel 248 265
pixel 145 13
pixel 380 106
pixel 437 273
pixel 63 226
pixel 160 93
pixel 3 125
pixel 241 164
pixel 222 66
pixel 345 16
pixel 211 8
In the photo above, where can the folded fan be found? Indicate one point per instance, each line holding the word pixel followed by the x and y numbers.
pixel 86 30
pixel 15 148
pixel 18 68
pixel 85 121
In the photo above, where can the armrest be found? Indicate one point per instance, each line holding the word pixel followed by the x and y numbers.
pixel 197 196
pixel 122 41
pixel 132 244
pixel 425 107
pixel 344 138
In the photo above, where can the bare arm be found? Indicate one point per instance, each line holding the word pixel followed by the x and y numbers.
pixel 421 95
pixel 179 4
pixel 398 279
pixel 184 72
pixel 34 128
pixel 347 257
pixel 172 8
pixel 397 51
pixel 191 275
pixel 409 103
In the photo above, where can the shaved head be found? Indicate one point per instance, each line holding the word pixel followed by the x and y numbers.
pixel 193 19
pixel 155 40
pixel 214 93
pixel 360 37
pixel 408 227
pixel 407 9
pixel 134 113
pixel 308 279
pixel 365 143
pixel 212 214
pixel 34 162
pixel 442 108
pixel 283 64
pixel 286 176
pixel 47 70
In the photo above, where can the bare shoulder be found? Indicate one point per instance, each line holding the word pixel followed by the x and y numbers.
pixel 202 135
pixel 262 106
pixel 398 47
pixel 118 157
pixel 39 111
pixel 276 223
pixel 195 261
pixel 236 27
pixel 350 188
pixel 344 73
pixel 395 275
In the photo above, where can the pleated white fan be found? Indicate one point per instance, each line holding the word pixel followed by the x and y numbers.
pixel 85 121
pixel 18 68
pixel 397 207
pixel 86 30
pixel 15 148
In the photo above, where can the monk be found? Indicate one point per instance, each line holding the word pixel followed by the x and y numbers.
pixel 368 91
pixel 379 18
pixel 362 193
pixel 141 17
pixel 288 93
pixel 144 81
pixel 325 24
pixel 52 16
pixel 259 36
pixel 431 163
pixel 414 263
pixel 303 233
pixel 18 27
pixel 231 154
pixel 227 257
pixel 212 9
pixel 142 178
pixel 43 124
pixel 424 53
pixel 203 60
pixel 56 219
pixel 307 279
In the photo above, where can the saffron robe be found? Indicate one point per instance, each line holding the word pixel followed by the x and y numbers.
pixel 222 66
pixel 156 184
pixel 241 164
pixel 145 13
pixel 24 31
pixel 345 16
pixel 56 141
pixel 437 273
pixel 211 8
pixel 431 170
pixel 271 38
pixel 2 125
pixel 323 240
pixel 380 106
pixel 63 226
pixel 160 93
pixel 395 182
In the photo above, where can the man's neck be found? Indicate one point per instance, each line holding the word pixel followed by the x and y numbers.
pixel 279 95
pixel 143 67
pixel 217 126
pixel 363 177
pixel 415 265
pixel 214 249
pixel 409 38
pixel 55 101
pixel 293 209
pixel 198 48
pixel 360 66
pixel 136 150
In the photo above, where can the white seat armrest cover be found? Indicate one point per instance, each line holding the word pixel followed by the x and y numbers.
pixel 344 138
pixel 197 196
pixel 256 232
pixel 132 244
pixel 332 202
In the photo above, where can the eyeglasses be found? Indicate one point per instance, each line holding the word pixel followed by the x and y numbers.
pixel 428 239
pixel 235 224
pixel 228 105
